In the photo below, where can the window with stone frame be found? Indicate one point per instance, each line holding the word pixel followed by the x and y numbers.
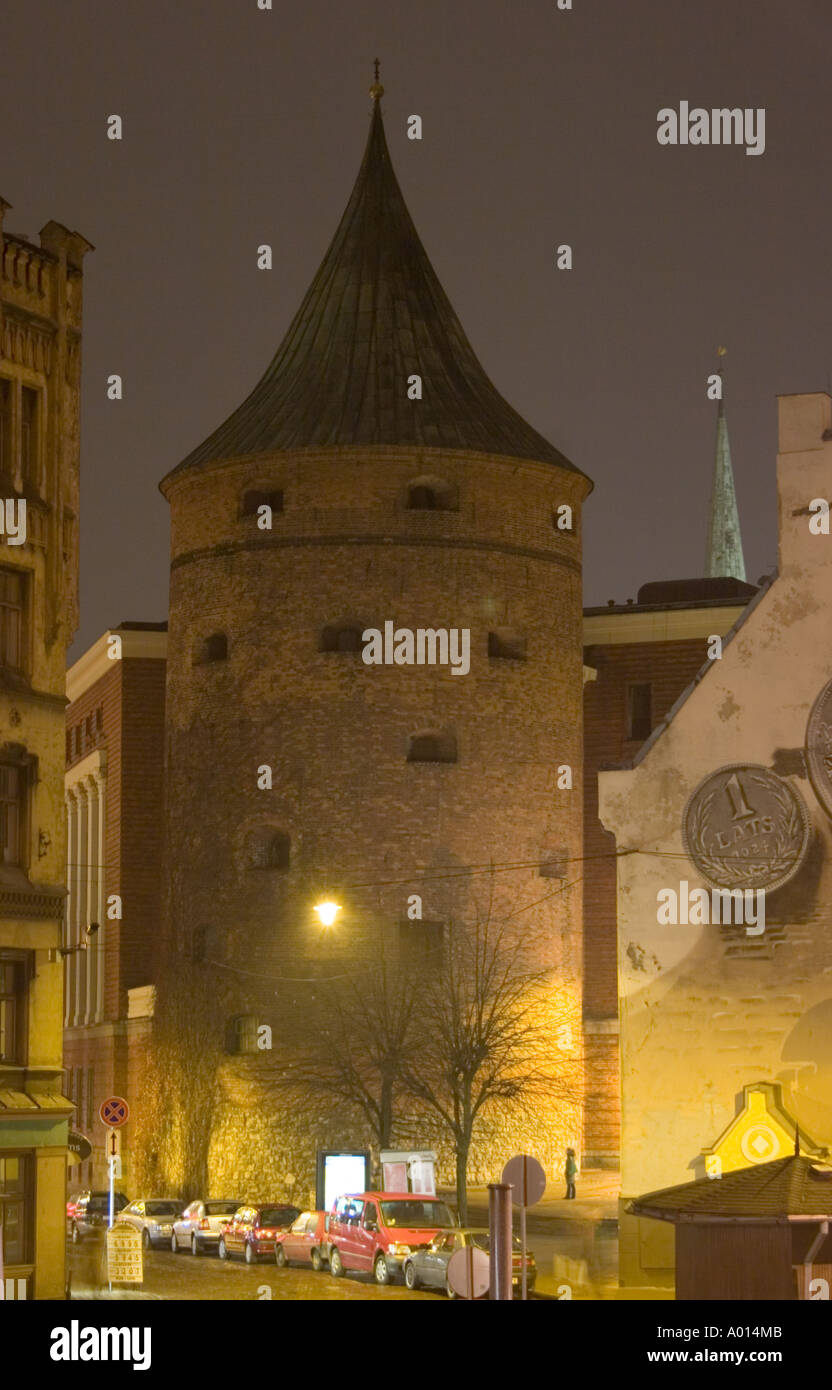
pixel 428 494
pixel 421 944
pixel 12 813
pixel 507 645
pixel 12 619
pixel 432 748
pixel 241 1034
pixel 14 990
pixel 30 439
pixel 17 1207
pixel 6 398
pixel 255 498
pixel 345 637
pixel 639 710
pixel 268 848
pixel 211 649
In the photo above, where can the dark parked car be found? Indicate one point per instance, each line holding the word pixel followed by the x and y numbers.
pixel 428 1268
pixel 305 1242
pixel 198 1228
pixel 153 1217
pixel 252 1229
pixel 88 1213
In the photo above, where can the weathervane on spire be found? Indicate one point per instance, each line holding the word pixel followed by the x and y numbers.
pixel 376 91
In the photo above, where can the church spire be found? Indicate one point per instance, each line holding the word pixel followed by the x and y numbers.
pixel 724 557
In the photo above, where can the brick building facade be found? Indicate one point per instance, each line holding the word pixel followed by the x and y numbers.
pixel 114 779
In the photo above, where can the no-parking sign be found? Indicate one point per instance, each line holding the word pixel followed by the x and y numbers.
pixel 114 1112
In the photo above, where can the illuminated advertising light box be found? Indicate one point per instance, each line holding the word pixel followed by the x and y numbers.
pixel 339 1173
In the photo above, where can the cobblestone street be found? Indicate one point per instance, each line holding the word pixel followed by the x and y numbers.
pixel 170 1276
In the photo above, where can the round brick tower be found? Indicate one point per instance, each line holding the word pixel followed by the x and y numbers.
pixel 373 477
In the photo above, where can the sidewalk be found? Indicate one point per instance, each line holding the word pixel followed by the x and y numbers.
pixel 575 1242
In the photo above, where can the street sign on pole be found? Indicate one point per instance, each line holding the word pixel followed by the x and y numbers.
pixel 114 1112
pixel 469 1272
pixel 124 1256
pixel 113 1144
pixel 527 1179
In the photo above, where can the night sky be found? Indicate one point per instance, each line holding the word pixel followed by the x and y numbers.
pixel 244 126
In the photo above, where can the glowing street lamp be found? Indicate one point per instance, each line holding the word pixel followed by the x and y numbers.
pixel 327 912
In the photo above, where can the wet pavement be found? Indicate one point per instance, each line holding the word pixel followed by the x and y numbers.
pixel 170 1276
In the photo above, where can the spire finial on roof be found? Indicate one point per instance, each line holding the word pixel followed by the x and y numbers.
pixel 376 91
pixel 724 555
pixel 797 1141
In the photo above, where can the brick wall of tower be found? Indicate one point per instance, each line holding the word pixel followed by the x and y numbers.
pixel 363 821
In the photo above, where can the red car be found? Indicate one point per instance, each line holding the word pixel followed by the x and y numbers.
pixel 376 1231
pixel 306 1242
pixel 252 1229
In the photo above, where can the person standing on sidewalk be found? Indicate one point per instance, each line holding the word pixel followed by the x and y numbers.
pixel 570 1173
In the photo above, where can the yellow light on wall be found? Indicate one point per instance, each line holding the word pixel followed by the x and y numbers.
pixel 327 912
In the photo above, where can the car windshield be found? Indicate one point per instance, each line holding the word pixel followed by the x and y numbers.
pixel 99 1204
pixel 221 1208
pixel 162 1208
pixel 278 1216
pixel 416 1215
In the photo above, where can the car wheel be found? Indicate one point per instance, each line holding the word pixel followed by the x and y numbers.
pixel 194 1245
pixel 251 1257
pixel 381 1270
pixel 410 1276
pixel 221 1249
pixel 336 1264
pixel 449 1291
pixel 146 1239
pixel 280 1255
pixel 76 1235
pixel 317 1262
pixel 174 1244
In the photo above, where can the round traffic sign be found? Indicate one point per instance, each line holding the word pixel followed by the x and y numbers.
pixel 526 1176
pixel 469 1272
pixel 114 1112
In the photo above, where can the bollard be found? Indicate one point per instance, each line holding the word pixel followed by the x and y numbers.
pixel 499 1222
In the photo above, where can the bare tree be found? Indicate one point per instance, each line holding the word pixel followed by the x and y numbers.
pixel 360 1053
pixel 489 1039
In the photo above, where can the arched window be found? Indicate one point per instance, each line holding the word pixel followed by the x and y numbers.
pixel 507 645
pixel 267 848
pixel 430 494
pixel 253 498
pixel 432 748
pixel 213 648
pixel 345 637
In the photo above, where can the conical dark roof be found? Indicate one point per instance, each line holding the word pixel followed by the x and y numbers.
pixel 374 315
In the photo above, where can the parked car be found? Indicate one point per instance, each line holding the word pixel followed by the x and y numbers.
pixel 376 1231
pixel 153 1216
pixel 428 1268
pixel 252 1229
pixel 198 1228
pixel 306 1241
pixel 88 1213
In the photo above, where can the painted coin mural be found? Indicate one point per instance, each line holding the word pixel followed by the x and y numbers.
pixel 819 748
pixel 745 827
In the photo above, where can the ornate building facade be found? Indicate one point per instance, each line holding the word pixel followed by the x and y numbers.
pixel 723 831
pixel 40 348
